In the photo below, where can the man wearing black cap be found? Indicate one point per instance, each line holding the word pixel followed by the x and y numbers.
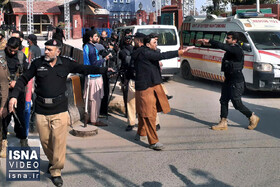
pixel 51 103
pixel 34 50
pixel 127 32
pixel 150 97
pixel 130 74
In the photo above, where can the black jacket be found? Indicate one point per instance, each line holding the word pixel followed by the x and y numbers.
pixel 147 67
pixel 126 65
pixel 233 53
pixel 51 82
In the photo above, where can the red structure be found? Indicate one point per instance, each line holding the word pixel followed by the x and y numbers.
pixel 172 15
pixel 91 15
pixel 45 12
pixel 141 16
pixel 49 12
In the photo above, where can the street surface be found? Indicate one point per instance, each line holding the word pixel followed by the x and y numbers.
pixel 194 154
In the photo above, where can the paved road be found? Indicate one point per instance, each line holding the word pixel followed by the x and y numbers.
pixel 194 154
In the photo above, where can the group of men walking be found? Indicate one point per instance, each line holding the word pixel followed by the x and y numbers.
pixel 145 93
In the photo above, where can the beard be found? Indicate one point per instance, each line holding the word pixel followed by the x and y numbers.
pixel 9 54
pixel 48 59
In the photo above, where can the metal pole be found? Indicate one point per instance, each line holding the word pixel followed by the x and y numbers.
pixel 82 9
pixel 258 5
pixel 194 7
pixel 159 8
pixel 67 18
pixel 30 25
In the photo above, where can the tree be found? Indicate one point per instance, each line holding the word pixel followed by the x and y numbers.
pixel 218 6
pixel 251 2
pixel 3 2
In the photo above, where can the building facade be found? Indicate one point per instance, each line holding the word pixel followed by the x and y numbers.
pixel 121 11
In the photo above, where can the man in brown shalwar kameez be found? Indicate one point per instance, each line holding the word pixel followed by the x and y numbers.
pixel 150 97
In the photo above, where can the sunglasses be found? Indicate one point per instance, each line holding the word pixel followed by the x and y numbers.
pixel 228 38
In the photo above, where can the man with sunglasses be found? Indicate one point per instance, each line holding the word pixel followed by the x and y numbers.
pixel 233 86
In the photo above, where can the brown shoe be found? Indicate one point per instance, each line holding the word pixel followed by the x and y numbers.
pixel 254 120
pixel 222 125
pixel 99 124
pixel 4 146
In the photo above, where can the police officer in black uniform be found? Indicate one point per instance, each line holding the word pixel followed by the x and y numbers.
pixel 125 57
pixel 51 103
pixel 233 87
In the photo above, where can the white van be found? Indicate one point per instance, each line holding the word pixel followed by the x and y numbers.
pixel 259 37
pixel 168 41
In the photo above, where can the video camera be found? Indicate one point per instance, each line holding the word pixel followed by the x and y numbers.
pixel 105 52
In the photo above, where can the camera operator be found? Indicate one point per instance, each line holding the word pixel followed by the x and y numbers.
pixel 104 40
pixel 127 32
pixel 103 53
pixel 125 57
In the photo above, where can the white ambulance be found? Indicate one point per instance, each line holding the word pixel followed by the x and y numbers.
pixel 168 40
pixel 259 37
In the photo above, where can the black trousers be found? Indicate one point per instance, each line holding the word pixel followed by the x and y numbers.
pixel 104 101
pixel 233 92
pixel 125 93
pixel 20 127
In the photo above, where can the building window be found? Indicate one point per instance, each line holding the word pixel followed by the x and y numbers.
pixel 41 22
pixel 127 1
pixel 121 1
pixel 121 16
pixel 127 16
pixel 115 1
pixel 115 16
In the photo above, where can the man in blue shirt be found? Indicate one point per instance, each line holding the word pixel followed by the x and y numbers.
pixel 94 83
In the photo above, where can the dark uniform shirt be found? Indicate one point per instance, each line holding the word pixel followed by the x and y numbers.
pixel 14 62
pixel 125 57
pixel 35 51
pixel 233 53
pixel 147 67
pixel 50 82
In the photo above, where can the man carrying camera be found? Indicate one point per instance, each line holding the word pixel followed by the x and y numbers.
pixel 125 57
pixel 94 82
pixel 233 87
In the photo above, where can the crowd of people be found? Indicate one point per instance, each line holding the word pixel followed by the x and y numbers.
pixel 144 94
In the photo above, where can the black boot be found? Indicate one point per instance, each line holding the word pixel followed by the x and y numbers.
pixel 129 128
pixel 57 181
pixel 157 127
pixel 48 171
pixel 169 97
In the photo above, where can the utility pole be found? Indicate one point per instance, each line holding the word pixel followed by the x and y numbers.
pixel 67 18
pixel 258 6
pixel 30 25
pixel 158 8
pixel 188 7
pixel 82 13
